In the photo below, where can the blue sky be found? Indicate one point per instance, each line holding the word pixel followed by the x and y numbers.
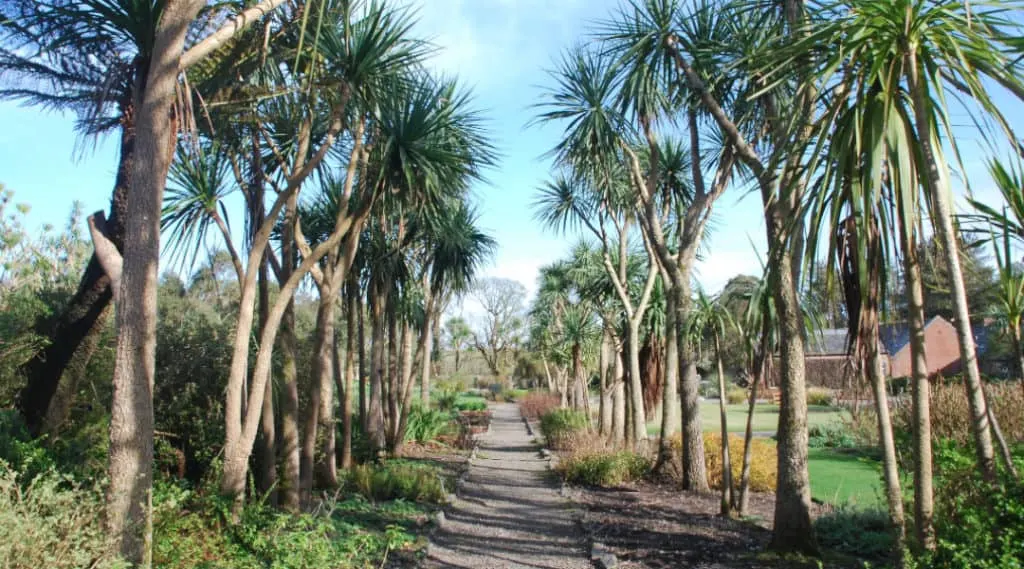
pixel 499 47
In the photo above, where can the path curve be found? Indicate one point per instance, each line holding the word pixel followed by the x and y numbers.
pixel 509 514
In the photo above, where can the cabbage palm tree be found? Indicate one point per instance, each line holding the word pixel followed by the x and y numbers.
pixel 710 318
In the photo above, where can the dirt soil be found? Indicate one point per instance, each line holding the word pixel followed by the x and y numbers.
pixel 658 526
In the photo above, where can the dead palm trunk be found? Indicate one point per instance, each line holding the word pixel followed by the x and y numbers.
pixel 129 496
pixel 727 497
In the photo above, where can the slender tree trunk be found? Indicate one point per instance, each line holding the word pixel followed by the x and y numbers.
pixel 266 451
pixel 364 366
pixel 375 407
pixel 427 344
pixel 403 388
pixel 351 319
pixel 637 419
pixel 290 459
pixel 129 496
pixel 893 492
pixel 939 194
pixel 618 398
pixel 727 497
pixel 924 506
pixel 604 423
pixel 760 369
pixel 1018 351
pixel 671 412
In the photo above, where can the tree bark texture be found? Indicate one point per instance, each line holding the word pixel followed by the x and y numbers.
pixel 129 496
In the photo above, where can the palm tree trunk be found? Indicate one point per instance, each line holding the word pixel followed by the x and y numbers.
pixel 266 456
pixel 404 388
pixel 364 372
pixel 695 477
pixel 350 370
pixel 922 433
pixel 939 194
pixel 427 343
pixel 759 371
pixel 727 497
pixel 793 530
pixel 322 369
pixel 618 397
pixel 671 413
pixel 129 496
pixel 893 491
pixel 1018 350
pixel 604 423
pixel 375 407
pixel 638 421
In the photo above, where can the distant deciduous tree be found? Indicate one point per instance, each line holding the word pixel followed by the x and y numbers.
pixel 502 325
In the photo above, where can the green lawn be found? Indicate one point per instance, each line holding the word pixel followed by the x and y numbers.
pixel 766 417
pixel 841 478
pixel 836 477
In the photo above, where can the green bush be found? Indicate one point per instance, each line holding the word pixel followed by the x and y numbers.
pixel 830 436
pixel 471 405
pixel 49 521
pixel 736 395
pixel 605 469
pixel 398 481
pixel 865 534
pixel 190 531
pixel 428 424
pixel 446 394
pixel 820 396
pixel 560 425
pixel 979 525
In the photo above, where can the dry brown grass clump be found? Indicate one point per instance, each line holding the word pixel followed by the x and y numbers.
pixel 951 414
pixel 535 404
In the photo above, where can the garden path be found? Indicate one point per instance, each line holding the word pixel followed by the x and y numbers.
pixel 509 513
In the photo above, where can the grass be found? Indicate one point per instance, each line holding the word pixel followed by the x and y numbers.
pixel 837 477
pixel 845 478
pixel 766 417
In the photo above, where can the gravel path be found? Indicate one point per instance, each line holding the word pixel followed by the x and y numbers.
pixel 509 513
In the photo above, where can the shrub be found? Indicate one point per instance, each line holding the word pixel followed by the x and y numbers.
pixel 763 461
pixel 605 469
pixel 866 534
pixel 736 395
pixel 951 417
pixel 471 405
pixel 446 394
pixel 535 404
pixel 834 435
pixel 52 522
pixel 427 424
pixel 398 481
pixel 560 425
pixel 978 525
pixel 820 396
